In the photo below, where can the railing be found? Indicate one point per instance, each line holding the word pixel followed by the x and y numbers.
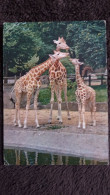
pixel 98 79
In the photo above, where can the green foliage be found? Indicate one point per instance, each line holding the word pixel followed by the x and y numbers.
pixel 68 65
pixel 55 127
pixel 87 40
pixel 22 41
pixel 31 62
pixel 71 85
pixel 20 44
pixel 45 94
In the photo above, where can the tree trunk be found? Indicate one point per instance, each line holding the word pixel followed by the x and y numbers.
pixel 6 73
pixel 6 70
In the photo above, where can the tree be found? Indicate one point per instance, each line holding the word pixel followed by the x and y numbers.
pixel 87 39
pixel 28 43
pixel 19 46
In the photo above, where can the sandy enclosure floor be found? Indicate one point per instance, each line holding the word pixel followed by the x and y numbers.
pixel 68 125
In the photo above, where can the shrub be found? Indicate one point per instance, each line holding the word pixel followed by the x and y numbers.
pixel 71 85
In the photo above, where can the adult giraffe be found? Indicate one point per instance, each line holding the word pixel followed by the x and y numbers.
pixel 58 81
pixel 29 84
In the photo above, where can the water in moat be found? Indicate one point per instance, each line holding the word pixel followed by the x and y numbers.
pixel 24 157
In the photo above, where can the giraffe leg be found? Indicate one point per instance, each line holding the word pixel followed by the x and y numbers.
pixel 83 115
pixel 35 107
pixel 27 108
pixel 79 110
pixel 15 117
pixel 17 110
pixel 93 114
pixel 56 92
pixel 19 122
pixel 52 102
pixel 93 118
pixel 58 116
pixel 65 94
pixel 59 105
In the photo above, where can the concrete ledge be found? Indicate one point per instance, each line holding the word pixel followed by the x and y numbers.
pixel 83 145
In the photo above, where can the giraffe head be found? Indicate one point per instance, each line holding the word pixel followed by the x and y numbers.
pixel 61 44
pixel 58 55
pixel 76 61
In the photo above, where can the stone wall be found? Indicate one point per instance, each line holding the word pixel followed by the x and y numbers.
pixel 100 106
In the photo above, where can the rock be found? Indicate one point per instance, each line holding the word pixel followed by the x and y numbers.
pixel 7 103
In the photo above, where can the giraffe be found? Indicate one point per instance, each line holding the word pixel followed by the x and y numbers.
pixel 58 81
pixel 30 84
pixel 84 94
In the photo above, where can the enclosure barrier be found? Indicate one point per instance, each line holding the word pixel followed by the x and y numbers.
pixel 98 79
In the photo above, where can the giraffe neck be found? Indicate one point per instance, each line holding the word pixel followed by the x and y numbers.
pixel 57 49
pixel 56 63
pixel 40 69
pixel 79 79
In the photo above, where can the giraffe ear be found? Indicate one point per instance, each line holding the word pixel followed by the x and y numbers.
pixel 55 52
pixel 50 55
pixel 81 63
pixel 62 39
pixel 55 41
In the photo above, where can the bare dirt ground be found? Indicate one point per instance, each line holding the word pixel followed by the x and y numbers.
pixel 67 126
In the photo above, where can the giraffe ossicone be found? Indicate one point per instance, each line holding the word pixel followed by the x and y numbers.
pixel 84 95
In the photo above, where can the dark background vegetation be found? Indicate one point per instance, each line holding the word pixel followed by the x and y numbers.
pixel 27 44
pixel 76 180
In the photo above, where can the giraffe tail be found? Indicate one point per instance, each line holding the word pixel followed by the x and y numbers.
pixel 11 99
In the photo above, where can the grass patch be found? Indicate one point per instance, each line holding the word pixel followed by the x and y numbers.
pixel 45 94
pixel 55 127
pixel 101 93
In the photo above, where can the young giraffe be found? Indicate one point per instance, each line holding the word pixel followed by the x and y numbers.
pixel 29 84
pixel 58 81
pixel 84 94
